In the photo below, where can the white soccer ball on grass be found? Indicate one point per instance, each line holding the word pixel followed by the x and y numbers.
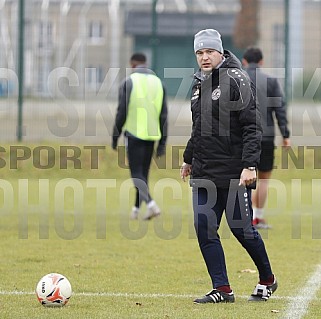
pixel 53 290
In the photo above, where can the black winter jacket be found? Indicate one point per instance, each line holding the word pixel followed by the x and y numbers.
pixel 226 132
pixel 270 102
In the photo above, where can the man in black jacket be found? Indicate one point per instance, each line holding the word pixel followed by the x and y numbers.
pixel 221 156
pixel 142 114
pixel 271 105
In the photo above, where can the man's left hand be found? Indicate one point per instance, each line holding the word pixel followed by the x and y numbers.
pixel 114 143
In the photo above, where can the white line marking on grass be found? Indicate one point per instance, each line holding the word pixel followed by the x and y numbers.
pixel 107 294
pixel 300 303
pixel 139 295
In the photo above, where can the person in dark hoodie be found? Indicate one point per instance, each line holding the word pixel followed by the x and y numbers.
pixel 221 157
pixel 271 105
pixel 142 114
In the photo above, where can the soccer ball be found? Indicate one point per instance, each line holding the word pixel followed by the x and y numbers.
pixel 53 290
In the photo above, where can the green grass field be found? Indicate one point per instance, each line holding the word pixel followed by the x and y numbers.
pixel 120 268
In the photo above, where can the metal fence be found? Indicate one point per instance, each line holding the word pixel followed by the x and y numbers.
pixel 75 52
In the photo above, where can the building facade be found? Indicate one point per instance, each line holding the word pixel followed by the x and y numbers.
pixel 81 48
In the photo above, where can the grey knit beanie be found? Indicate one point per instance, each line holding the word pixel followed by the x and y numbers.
pixel 208 39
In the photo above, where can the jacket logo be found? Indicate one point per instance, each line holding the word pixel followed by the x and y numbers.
pixel 195 95
pixel 216 94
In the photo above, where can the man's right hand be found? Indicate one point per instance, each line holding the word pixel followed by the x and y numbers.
pixel 185 170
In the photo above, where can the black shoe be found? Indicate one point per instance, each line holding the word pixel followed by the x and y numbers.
pixel 263 292
pixel 216 296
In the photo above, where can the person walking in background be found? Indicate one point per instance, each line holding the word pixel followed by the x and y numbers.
pixel 221 156
pixel 142 114
pixel 271 105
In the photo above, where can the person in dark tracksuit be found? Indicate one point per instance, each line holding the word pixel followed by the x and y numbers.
pixel 142 114
pixel 271 105
pixel 221 157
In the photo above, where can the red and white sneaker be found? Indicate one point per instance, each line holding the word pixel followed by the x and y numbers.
pixel 260 223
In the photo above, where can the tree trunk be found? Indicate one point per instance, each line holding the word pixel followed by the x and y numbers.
pixel 246 30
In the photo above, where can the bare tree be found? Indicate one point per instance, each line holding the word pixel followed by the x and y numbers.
pixel 246 28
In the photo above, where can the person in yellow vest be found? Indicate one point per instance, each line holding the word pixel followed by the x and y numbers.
pixel 142 115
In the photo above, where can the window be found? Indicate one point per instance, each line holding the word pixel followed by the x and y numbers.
pixel 96 31
pixel 278 46
pixel 94 77
pixel 45 35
